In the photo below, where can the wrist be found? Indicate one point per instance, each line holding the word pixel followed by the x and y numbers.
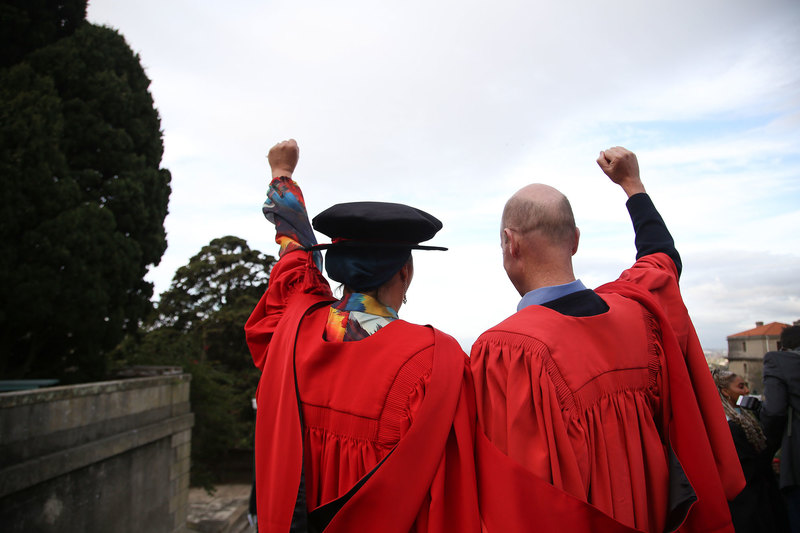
pixel 281 173
pixel 632 187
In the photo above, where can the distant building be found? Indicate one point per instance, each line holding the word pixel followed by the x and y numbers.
pixel 746 352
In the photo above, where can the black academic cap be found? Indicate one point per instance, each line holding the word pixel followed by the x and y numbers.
pixel 377 224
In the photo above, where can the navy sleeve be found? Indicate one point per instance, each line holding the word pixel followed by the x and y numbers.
pixel 776 400
pixel 652 235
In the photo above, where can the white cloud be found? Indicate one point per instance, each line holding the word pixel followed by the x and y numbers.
pixel 452 106
pixel 727 291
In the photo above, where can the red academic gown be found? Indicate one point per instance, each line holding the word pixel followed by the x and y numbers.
pixel 402 396
pixel 577 416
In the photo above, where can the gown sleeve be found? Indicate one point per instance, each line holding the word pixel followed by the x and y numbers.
pixel 297 271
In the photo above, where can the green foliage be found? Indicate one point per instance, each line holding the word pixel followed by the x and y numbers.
pixel 223 272
pixel 84 198
pixel 26 25
pixel 199 325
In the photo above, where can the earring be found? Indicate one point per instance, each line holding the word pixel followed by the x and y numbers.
pixel 405 300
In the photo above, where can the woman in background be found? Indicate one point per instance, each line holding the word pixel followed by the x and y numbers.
pixel 759 507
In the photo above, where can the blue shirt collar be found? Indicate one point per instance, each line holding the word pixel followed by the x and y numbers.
pixel 543 295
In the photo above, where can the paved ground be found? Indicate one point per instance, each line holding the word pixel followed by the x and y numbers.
pixel 224 512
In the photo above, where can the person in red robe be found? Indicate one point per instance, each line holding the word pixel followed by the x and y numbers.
pixel 596 409
pixel 365 422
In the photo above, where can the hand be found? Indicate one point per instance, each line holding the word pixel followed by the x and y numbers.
pixel 283 158
pixel 622 167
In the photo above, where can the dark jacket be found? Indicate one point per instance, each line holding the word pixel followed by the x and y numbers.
pixel 759 508
pixel 780 412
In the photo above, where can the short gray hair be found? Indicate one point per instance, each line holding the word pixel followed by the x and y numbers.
pixel 553 219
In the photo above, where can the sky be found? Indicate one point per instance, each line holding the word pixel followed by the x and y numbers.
pixel 452 106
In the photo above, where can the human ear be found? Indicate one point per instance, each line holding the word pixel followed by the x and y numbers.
pixel 406 274
pixel 510 242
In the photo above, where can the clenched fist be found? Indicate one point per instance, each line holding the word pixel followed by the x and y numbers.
pixel 622 167
pixel 283 158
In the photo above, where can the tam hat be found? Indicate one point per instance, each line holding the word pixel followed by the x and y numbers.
pixel 379 224
pixel 371 241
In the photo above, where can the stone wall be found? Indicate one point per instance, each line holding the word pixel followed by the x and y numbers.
pixel 110 456
pixel 752 347
pixel 746 358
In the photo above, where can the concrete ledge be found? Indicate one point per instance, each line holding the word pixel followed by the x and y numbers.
pixel 109 456
pixel 51 394
pixel 29 473
pixel 19 451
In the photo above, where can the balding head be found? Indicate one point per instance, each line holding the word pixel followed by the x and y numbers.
pixel 543 209
pixel 538 238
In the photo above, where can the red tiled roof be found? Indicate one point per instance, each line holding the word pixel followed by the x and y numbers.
pixel 771 329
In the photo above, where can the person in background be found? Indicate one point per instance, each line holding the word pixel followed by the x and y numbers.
pixel 365 422
pixel 596 410
pixel 759 507
pixel 780 415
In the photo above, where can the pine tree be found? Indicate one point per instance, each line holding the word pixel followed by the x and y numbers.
pixel 83 206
